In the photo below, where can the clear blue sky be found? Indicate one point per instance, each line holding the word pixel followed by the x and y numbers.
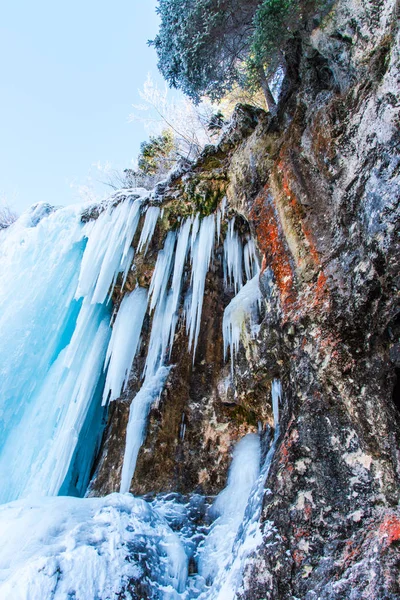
pixel 70 72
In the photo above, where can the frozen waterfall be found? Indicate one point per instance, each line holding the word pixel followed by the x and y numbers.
pixel 66 351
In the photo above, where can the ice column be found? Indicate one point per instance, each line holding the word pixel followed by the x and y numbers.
pixel 201 250
pixel 233 261
pixel 152 214
pixel 229 507
pixel 124 342
pixel 248 534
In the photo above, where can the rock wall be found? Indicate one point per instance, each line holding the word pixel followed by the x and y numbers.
pixel 318 187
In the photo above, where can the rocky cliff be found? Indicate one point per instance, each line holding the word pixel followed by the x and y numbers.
pixel 317 188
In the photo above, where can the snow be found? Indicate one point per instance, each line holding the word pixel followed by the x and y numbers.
pixel 87 548
pixel 124 342
pixel 240 315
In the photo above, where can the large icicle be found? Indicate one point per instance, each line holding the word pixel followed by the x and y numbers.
pixel 162 271
pixel 58 346
pixel 251 264
pixel 108 249
pixel 201 251
pixel 233 258
pixel 276 393
pixel 240 314
pixel 180 259
pixel 124 342
pixel 140 406
pixel 150 222
pixel 159 300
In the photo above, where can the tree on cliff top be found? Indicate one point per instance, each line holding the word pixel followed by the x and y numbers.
pixel 205 47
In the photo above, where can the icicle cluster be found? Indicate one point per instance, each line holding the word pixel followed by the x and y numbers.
pixel 233 254
pixel 74 267
pixel 241 317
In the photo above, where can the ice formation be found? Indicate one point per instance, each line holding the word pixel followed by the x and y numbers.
pixel 240 316
pixel 139 409
pixel 229 578
pixel 102 262
pixel 202 244
pixel 251 264
pixel 150 222
pixel 124 342
pixel 233 258
pixel 87 548
pixel 229 507
pixel 73 357
pixel 57 344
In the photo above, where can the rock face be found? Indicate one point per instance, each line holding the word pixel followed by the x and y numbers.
pixel 318 187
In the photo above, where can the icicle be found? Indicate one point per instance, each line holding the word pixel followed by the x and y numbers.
pixel 124 343
pixel 180 259
pixel 223 207
pixel 162 271
pixel 201 256
pixel 251 264
pixel 195 230
pixel 276 393
pixel 107 250
pixel 218 225
pixel 241 311
pixel 233 258
pixel 129 259
pixel 149 226
pixel 139 410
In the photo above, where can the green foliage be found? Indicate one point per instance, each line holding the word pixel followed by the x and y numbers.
pixel 274 23
pixel 157 154
pixel 207 47
pixel 202 44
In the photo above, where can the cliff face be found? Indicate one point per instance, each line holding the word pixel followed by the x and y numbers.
pixel 318 189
